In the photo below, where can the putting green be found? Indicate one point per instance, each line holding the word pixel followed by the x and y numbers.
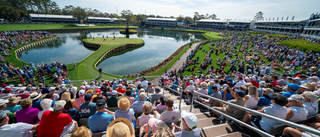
pixel 86 69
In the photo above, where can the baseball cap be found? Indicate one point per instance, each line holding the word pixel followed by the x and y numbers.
pixel 190 119
pixel 114 92
pixel 81 92
pixel 293 86
pixel 59 105
pixel 3 114
pixel 3 101
pixel 87 97
pixel 101 102
pixel 241 93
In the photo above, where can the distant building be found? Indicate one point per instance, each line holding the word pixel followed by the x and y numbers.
pixel 48 18
pixel 290 27
pixel 161 22
pixel 208 23
pixel 239 25
pixel 99 20
pixel 312 28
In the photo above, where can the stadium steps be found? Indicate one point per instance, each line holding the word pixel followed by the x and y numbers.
pixel 209 125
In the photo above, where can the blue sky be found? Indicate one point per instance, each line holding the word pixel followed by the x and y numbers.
pixel 232 9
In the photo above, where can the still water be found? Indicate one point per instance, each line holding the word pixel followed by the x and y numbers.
pixel 159 45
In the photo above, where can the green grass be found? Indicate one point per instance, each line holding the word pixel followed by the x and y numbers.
pixel 302 44
pixel 276 35
pixel 213 35
pixel 11 27
pixel 86 69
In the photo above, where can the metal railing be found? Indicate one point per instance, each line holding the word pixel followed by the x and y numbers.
pixel 304 128
pixel 180 93
pixel 5 97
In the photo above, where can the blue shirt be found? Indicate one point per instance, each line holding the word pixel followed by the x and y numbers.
pixel 288 94
pixel 13 108
pixel 263 101
pixel 99 122
pixel 137 106
pixel 228 96
pixel 87 109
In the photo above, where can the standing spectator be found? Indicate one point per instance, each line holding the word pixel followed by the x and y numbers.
pixel 88 108
pixel 189 90
pixel 100 72
pixel 27 114
pixel 101 120
pixel 53 122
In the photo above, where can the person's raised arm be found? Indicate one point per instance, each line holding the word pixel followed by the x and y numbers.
pixel 289 114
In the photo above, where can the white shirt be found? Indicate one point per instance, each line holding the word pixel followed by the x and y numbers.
pixel 240 83
pixel 311 108
pixel 144 83
pixel 137 83
pixel 191 88
pixel 273 110
pixel 251 102
pixel 42 111
pixel 16 130
pixel 299 114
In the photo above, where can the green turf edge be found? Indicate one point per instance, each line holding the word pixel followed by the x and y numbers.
pixel 301 44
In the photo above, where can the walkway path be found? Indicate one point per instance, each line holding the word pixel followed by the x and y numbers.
pixel 178 64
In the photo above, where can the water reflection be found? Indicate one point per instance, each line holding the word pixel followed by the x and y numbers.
pixel 159 44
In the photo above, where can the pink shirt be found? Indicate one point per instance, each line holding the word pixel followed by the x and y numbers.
pixel 78 102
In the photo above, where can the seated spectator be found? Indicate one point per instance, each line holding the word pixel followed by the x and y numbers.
pixel 150 88
pixel 137 105
pixel 74 113
pixel 252 98
pixel 27 114
pixel 277 109
pixel 128 94
pixel 80 100
pixel 156 96
pixel 292 132
pixel 227 109
pixel 46 105
pixel 120 127
pixel 81 132
pixel 88 108
pixel 171 115
pixel 297 112
pixel 113 99
pixel 266 98
pixel 120 89
pixel 291 89
pixel 204 88
pixel 124 110
pixel 35 96
pixel 310 102
pixel 189 90
pixel 101 120
pixel 144 118
pixel 66 96
pixel 161 106
pixel 53 122
pixel 16 129
pixel 12 105
pixel 189 126
pixel 21 91
pixel 12 116
pixel 216 94
pixel 98 96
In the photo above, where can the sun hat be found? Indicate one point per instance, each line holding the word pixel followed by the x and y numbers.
pixel 34 95
pixel 13 100
pixel 87 97
pixel 65 96
pixel 46 103
pixel 241 93
pixel 308 86
pixel 124 103
pixel 114 92
pixel 268 90
pixel 190 119
pixel 81 92
pixel 152 122
pixel 293 86
pixel 59 105
pixel 119 127
pixel 3 101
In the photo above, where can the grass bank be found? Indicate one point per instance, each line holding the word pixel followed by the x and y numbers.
pixel 12 27
pixel 301 44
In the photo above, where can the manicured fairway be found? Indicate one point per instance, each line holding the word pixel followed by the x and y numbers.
pixel 302 44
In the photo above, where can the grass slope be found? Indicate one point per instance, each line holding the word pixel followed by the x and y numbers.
pixel 213 35
pixel 86 69
pixel 11 27
pixel 302 44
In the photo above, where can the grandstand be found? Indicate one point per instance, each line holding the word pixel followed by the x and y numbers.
pixel 99 20
pixel 161 22
pixel 239 25
pixel 208 23
pixel 282 27
pixel 48 18
pixel 312 29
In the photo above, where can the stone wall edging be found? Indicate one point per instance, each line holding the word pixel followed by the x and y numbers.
pixel 32 45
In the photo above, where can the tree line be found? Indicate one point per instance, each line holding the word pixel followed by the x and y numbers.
pixel 14 10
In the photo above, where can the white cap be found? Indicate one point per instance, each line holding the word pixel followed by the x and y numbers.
pixel 3 101
pixel 81 92
pixel 52 88
pixel 74 89
pixel 46 103
pixel 85 82
pixel 190 119
pixel 314 77
pixel 22 89
pixel 114 92
pixel 59 105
